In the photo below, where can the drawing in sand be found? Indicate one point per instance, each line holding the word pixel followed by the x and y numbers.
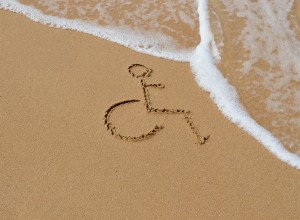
pixel 145 87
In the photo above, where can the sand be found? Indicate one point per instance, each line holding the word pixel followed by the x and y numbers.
pixel 295 18
pixel 251 85
pixel 58 161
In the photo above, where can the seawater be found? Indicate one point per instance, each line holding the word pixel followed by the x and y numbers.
pixel 199 33
pixel 265 66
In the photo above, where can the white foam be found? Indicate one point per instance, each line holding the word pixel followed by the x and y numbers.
pixel 155 41
pixel 268 38
pixel 202 64
pixel 225 96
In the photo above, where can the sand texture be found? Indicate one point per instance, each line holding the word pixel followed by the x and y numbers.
pixel 60 161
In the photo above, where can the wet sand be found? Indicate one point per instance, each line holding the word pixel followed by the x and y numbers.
pixel 251 85
pixel 58 161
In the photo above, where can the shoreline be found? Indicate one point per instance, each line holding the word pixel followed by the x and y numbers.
pixel 59 161
pixel 254 96
pixel 230 104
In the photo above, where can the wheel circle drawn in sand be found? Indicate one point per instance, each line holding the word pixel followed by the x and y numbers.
pixel 147 73
pixel 113 129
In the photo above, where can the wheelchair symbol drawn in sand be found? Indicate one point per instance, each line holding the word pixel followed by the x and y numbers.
pixel 146 72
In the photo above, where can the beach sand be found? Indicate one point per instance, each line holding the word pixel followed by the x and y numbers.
pixel 251 85
pixel 58 161
pixel 295 18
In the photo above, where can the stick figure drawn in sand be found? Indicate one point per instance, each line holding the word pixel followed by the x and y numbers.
pixel 184 113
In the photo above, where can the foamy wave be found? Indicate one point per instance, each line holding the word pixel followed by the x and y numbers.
pixel 271 63
pixel 144 42
pixel 225 95
pixel 202 63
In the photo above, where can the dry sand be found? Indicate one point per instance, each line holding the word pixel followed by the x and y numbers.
pixel 59 162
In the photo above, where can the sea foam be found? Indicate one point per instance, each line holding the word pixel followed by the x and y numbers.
pixel 269 63
pixel 202 61
pixel 144 42
pixel 225 96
